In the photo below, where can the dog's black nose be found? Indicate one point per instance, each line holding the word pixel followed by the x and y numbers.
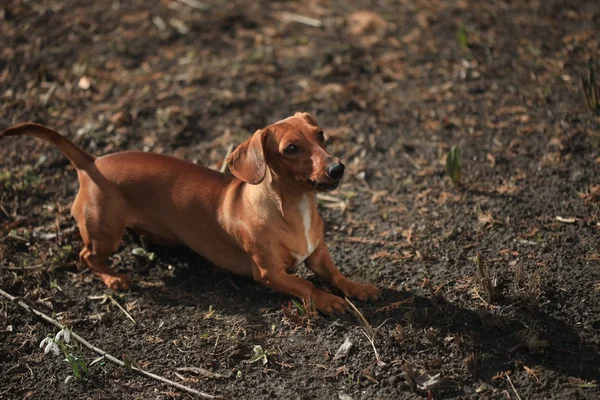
pixel 335 171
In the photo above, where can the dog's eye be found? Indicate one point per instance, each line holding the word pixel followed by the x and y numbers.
pixel 321 136
pixel 291 149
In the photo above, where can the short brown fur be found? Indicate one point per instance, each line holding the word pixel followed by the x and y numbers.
pixel 262 221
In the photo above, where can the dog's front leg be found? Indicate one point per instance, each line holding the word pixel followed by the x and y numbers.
pixel 321 264
pixel 275 277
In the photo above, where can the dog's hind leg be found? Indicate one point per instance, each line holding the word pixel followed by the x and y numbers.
pixel 101 221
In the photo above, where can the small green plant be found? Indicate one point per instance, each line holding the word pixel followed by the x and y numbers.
pixel 5 177
pixel 591 89
pixel 299 307
pixel 462 36
pixel 260 354
pixel 454 165
pixel 210 313
pixel 60 342
pixel 141 252
pixel 300 314
pixel 54 285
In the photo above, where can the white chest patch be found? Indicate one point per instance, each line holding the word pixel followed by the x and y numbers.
pixel 305 213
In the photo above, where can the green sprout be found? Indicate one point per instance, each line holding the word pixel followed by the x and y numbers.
pixel 141 252
pixel 260 354
pixel 591 89
pixel 454 165
pixel 299 307
pixel 462 36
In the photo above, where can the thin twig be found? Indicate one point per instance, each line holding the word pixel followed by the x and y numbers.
pixel 104 354
pixel 23 268
pixel 46 97
pixel 122 309
pixel 513 387
pixel 198 5
pixel 224 165
pixel 315 23
pixel 201 371
pixel 105 297
pixel 331 199
pixel 412 161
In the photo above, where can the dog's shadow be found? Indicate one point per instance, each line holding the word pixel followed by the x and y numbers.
pixel 488 342
pixel 190 280
pixel 491 344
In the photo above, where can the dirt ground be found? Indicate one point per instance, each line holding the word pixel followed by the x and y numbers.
pixel 395 89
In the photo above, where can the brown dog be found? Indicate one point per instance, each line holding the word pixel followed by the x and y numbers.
pixel 262 221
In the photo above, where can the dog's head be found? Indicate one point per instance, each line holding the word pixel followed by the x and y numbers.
pixel 293 150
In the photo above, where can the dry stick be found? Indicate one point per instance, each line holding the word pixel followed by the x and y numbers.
pixel 23 268
pixel 315 23
pixel 195 4
pixel 104 353
pixel 105 297
pixel 224 165
pixel 412 161
pixel 122 309
pixel 513 387
pixel 46 97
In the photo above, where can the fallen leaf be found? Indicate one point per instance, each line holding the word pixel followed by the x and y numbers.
pixel 344 349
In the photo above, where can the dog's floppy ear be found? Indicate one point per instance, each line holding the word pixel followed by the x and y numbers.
pixel 248 162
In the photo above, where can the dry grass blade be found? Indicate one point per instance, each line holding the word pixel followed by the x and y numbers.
pixel 488 283
pixel 513 387
pixel 528 286
pixel 393 306
pixel 410 375
pixel 367 328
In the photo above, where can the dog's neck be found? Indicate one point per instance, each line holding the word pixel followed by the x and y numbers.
pixel 273 194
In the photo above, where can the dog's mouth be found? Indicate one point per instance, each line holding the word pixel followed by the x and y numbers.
pixel 323 186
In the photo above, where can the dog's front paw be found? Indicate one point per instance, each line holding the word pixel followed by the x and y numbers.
pixel 329 304
pixel 117 282
pixel 361 291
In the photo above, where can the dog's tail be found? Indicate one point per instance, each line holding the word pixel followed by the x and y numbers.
pixel 78 157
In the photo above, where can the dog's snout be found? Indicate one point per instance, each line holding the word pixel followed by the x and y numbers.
pixel 336 171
